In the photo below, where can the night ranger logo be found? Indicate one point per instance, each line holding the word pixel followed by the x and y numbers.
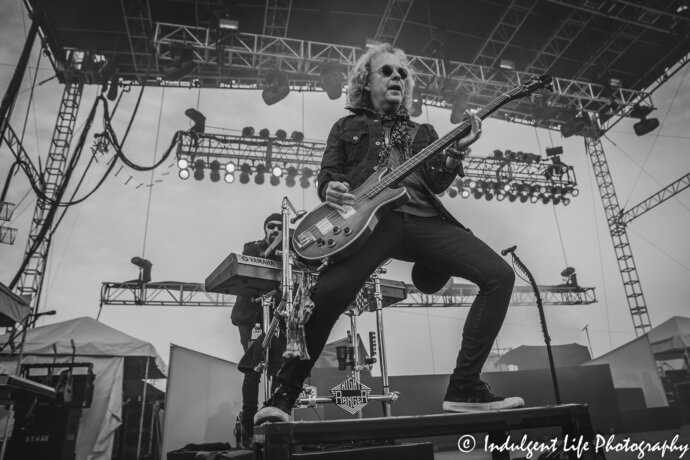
pixel 350 395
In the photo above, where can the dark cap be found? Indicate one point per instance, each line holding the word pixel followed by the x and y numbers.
pixel 275 216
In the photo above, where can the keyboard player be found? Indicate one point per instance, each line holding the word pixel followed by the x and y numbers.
pixel 245 315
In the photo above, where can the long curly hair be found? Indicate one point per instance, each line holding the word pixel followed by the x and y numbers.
pixel 359 97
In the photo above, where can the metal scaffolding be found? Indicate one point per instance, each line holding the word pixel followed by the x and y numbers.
pixel 619 236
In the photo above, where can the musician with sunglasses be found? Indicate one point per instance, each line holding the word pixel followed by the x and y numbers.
pixel 246 313
pixel 379 134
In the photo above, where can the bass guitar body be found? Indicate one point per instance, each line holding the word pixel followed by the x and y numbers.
pixel 328 233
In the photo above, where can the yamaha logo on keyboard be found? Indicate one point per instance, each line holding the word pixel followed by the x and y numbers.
pixel 259 261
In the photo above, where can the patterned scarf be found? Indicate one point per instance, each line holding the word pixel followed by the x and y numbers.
pixel 400 138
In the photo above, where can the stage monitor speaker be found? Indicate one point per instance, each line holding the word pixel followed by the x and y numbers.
pixel 44 432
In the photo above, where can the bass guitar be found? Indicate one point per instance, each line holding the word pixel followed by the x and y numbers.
pixel 328 233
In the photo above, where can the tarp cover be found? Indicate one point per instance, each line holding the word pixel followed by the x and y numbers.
pixel 13 309
pixel 536 356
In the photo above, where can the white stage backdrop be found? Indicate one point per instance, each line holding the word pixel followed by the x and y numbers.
pixel 204 396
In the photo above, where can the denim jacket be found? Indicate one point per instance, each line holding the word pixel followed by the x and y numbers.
pixel 352 153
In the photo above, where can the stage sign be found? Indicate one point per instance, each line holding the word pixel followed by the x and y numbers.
pixel 351 395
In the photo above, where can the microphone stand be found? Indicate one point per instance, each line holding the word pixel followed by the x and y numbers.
pixel 542 317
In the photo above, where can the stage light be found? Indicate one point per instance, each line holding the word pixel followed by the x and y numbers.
pixel 144 268
pixel 565 200
pixel 226 23
pixel 545 199
pixel 645 125
pixel 523 198
pixel 507 64
pixel 184 174
pixel 551 151
pixel 230 167
pixel 452 192
pixel 507 188
pixel 215 171
pixel 297 136
pixel 229 178
pixel 473 183
pixel 578 123
pixel 260 171
pixel 291 173
pixel 556 200
pixel 512 198
pixel 183 163
pixel 457 113
pixel 199 121
pixel 277 171
pixel 417 102
pixel 274 180
pixel 248 131
pixel 488 195
pixel 510 155
pixel 277 87
pixel 332 81
pixel 498 154
pixel 533 198
pixel 500 196
pixel 575 192
pixel 114 86
pixel 281 135
pixel 245 169
pixel 264 133
pixel 199 169
pixel 304 182
pixel 465 193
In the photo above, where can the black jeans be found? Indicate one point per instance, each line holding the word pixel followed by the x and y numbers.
pixel 435 243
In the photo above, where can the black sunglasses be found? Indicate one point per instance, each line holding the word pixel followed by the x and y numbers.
pixel 272 226
pixel 387 70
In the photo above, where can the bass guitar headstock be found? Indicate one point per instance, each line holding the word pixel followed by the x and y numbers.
pixel 533 85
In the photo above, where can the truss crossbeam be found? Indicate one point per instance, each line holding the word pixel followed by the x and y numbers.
pixel 514 16
pixel 179 294
pixel 619 236
pixel 247 56
pixel 655 200
pixel 277 17
pixel 392 21
pixel 462 295
pixel 226 148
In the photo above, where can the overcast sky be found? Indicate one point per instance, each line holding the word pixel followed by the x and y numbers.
pixel 186 228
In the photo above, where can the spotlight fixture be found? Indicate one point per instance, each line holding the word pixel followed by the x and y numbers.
pixel 551 151
pixel 114 86
pixel 332 81
pixel 465 193
pixel 500 196
pixel 260 171
pixel 459 106
pixel 144 269
pixel 225 23
pixel 577 125
pixel 229 178
pixel 245 169
pixel 498 154
pixel 452 192
pixel 290 176
pixel 230 167
pixel 199 120
pixel 215 171
pixel 277 171
pixel 277 87
pixel 248 131
pixel 183 163
pixel 645 125
pixel 507 64
pixel 264 133
pixel 304 180
pixel 297 136
pixel 274 180
pixel 281 135
pixel 184 174
pixel 199 169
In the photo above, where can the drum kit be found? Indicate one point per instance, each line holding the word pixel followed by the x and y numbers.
pixel 294 278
